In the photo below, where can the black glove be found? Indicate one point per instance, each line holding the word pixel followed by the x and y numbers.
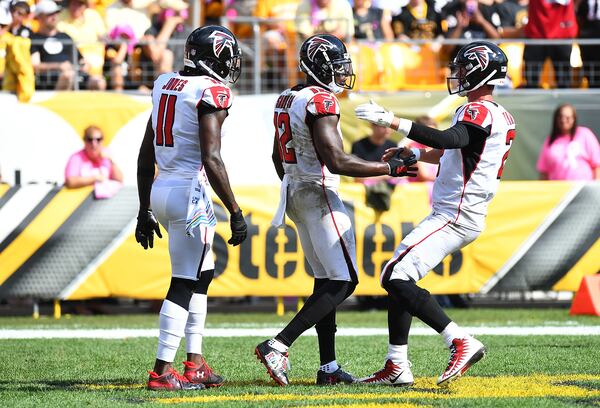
pixel 146 226
pixel 238 228
pixel 403 166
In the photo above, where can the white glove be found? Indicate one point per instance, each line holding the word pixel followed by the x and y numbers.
pixel 374 113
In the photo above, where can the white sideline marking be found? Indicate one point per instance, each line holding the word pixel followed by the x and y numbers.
pixel 269 332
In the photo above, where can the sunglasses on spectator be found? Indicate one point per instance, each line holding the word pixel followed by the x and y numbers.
pixel 94 139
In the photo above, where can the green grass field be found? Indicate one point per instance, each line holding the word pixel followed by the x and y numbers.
pixel 519 371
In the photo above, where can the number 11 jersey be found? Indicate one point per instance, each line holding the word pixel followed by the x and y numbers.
pixel 176 100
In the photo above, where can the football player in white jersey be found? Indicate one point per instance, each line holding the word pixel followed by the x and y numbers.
pixel 471 155
pixel 308 156
pixel 183 138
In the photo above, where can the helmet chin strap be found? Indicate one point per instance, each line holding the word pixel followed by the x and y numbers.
pixel 331 86
pixel 189 63
pixel 479 85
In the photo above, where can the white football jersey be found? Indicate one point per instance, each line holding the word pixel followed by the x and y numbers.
pixel 468 178
pixel 295 110
pixel 175 103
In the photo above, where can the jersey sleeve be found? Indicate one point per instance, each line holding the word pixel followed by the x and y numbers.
pixel 217 97
pixel 476 114
pixel 323 104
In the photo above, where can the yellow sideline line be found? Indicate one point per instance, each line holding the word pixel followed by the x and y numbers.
pixel 40 229
pixel 539 385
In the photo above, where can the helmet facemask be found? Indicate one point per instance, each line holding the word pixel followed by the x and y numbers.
pixel 228 71
pixel 457 80
pixel 337 74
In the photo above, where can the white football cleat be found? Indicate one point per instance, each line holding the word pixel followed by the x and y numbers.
pixel 398 375
pixel 463 354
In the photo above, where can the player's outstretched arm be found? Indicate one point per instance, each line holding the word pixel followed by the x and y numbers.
pixel 147 224
pixel 456 137
pixel 210 145
pixel 330 148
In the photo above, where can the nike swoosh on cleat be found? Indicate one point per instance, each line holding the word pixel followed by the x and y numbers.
pixel 394 379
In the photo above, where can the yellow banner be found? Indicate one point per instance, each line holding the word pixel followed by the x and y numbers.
pixel 271 263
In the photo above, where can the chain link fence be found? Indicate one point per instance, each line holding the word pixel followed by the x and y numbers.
pixel 270 62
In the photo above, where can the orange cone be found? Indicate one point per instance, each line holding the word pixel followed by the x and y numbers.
pixel 587 298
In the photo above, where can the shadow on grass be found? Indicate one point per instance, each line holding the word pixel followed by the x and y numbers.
pixel 64 385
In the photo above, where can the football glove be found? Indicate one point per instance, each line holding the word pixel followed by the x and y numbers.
pixel 374 113
pixel 238 228
pixel 403 166
pixel 146 226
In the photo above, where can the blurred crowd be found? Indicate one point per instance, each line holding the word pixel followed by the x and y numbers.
pixel 124 44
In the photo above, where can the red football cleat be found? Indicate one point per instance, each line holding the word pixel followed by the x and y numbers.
pixel 171 381
pixel 463 354
pixel 398 375
pixel 202 374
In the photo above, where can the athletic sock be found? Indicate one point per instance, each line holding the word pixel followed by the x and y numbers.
pixel 172 320
pixel 330 367
pixel 452 331
pixel 277 345
pixel 194 328
pixel 398 353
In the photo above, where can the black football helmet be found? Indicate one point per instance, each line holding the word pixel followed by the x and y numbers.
pixel 324 58
pixel 213 50
pixel 476 64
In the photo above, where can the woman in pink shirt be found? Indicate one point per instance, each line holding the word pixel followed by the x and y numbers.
pixel 571 152
pixel 93 166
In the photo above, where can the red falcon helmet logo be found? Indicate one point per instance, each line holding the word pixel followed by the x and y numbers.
pixel 221 41
pixel 317 44
pixel 480 55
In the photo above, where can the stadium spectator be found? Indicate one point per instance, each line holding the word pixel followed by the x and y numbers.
pixel 471 20
pixel 325 16
pixel 553 20
pixel 588 14
pixel 513 16
pixel 570 152
pixel 122 13
pixel 418 20
pixel 279 39
pixel 119 51
pixel 86 27
pixel 213 10
pixel 16 72
pixel 167 24
pixel 20 12
pixel 93 166
pixel 371 23
pixel 52 51
pixel 245 8
pixel 379 189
